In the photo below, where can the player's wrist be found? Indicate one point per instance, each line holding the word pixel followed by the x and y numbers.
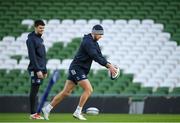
pixel 108 65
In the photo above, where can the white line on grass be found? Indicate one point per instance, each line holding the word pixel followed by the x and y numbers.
pixel 90 122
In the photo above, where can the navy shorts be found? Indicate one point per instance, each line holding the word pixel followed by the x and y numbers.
pixel 76 74
pixel 34 78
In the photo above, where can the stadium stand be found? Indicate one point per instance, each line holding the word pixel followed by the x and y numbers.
pixel 143 37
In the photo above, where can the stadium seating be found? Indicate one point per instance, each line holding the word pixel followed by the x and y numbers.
pixel 143 37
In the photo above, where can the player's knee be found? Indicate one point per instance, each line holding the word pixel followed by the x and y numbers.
pixel 66 93
pixel 89 91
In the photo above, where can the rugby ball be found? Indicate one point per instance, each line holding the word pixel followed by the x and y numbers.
pixel 92 111
pixel 116 76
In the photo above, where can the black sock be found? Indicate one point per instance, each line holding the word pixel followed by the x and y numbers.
pixel 33 98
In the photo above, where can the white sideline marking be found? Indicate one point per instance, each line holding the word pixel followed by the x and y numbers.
pixel 91 122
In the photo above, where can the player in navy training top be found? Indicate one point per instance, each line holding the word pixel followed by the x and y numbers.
pixel 88 51
pixel 37 65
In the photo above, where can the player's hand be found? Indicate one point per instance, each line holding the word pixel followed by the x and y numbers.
pixel 45 75
pixel 112 69
pixel 40 75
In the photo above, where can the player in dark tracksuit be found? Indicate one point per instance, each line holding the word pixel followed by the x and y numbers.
pixel 37 65
pixel 89 50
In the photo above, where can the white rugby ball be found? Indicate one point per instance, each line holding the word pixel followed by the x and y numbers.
pixel 92 111
pixel 116 75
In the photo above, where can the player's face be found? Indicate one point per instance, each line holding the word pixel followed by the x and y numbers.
pixel 97 37
pixel 39 29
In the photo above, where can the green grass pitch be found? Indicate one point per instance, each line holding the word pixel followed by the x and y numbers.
pixel 67 118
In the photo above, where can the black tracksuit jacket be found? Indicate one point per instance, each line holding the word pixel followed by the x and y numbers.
pixel 89 50
pixel 36 52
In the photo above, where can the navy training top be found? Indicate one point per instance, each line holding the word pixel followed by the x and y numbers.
pixel 89 50
pixel 36 53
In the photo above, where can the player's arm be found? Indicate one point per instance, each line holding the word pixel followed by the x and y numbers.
pixel 45 72
pixel 32 57
pixel 97 56
pixel 93 52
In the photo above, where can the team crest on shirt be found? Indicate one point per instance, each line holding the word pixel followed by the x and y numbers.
pixel 83 76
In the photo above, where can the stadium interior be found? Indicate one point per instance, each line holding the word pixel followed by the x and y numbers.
pixel 142 37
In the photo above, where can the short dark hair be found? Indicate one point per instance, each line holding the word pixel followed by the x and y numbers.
pixel 39 22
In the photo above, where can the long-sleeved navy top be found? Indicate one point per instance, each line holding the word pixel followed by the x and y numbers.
pixel 89 50
pixel 36 52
